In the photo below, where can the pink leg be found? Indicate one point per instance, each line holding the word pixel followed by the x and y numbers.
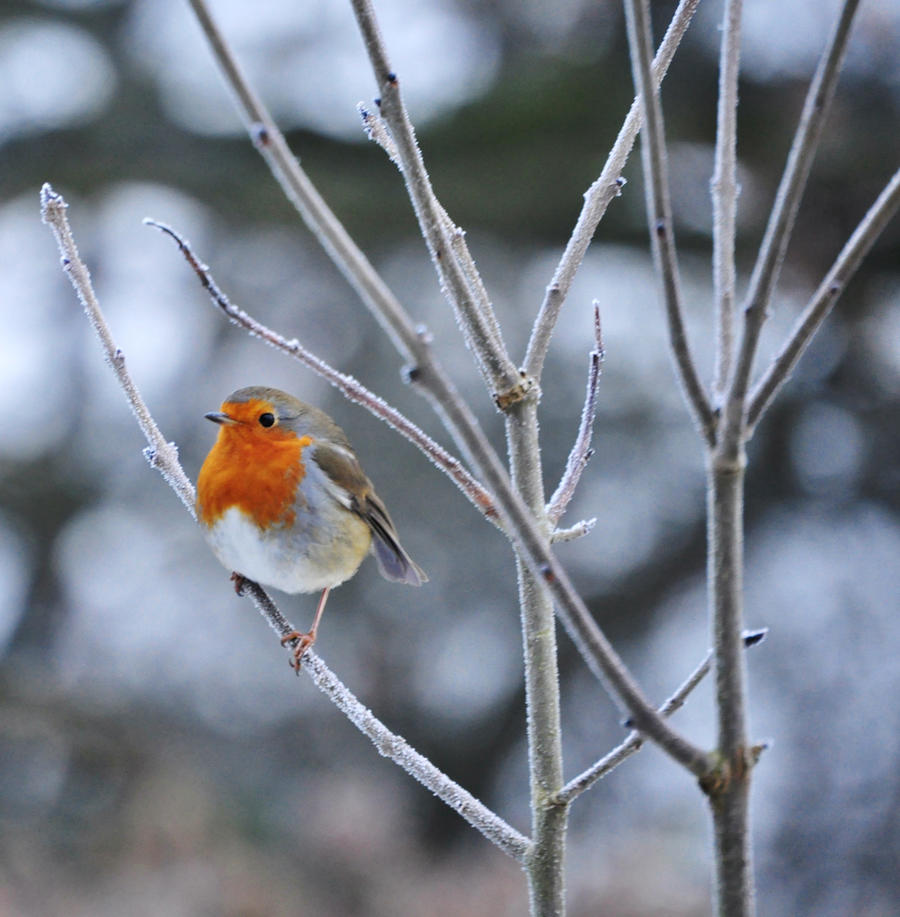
pixel 305 641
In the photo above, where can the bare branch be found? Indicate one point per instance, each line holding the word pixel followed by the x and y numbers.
pixel 659 215
pixel 473 309
pixel 633 743
pixel 596 199
pixel 301 192
pixel 781 221
pixel 162 455
pixel 377 130
pixel 390 744
pixel 350 387
pixel 579 530
pixel 725 193
pixel 581 449
pixel 817 309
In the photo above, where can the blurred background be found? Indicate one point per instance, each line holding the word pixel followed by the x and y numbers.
pixel 157 756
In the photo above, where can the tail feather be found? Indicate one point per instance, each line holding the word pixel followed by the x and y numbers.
pixel 393 561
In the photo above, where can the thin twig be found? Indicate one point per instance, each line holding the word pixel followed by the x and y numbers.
pixel 350 387
pixel 162 455
pixel 377 130
pixel 596 199
pixel 724 194
pixel 570 533
pixel 781 221
pixel 472 307
pixel 389 744
pixel 581 449
pixel 659 215
pixel 634 742
pixel 300 191
pixel 817 309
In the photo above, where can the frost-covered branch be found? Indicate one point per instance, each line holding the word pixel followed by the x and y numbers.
pixel 817 309
pixel 162 455
pixel 350 387
pixel 389 743
pixel 659 214
pixel 781 221
pixel 634 742
pixel 581 449
pixel 596 199
pixel 725 194
pixel 302 193
pixel 473 309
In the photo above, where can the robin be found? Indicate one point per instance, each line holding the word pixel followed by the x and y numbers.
pixel 284 502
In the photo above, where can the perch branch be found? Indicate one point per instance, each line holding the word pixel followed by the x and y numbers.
pixel 659 215
pixel 391 745
pixel 596 199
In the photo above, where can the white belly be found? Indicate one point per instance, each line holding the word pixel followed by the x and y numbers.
pixel 292 562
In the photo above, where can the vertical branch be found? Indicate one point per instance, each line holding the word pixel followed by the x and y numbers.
pixel 724 194
pixel 659 215
pixel 729 788
pixel 781 221
pixel 545 865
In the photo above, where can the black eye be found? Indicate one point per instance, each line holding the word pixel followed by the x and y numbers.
pixel 267 419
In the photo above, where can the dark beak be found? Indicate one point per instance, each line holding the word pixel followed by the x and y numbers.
pixel 219 417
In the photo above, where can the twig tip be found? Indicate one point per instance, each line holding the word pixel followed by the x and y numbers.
pixel 752 637
pixel 50 200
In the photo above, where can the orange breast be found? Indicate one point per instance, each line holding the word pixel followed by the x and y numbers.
pixel 255 471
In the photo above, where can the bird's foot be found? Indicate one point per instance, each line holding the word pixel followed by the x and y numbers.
pixel 302 644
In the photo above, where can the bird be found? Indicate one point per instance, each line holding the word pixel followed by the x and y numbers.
pixel 283 502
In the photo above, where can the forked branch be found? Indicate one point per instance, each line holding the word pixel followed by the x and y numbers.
pixel 634 742
pixel 781 221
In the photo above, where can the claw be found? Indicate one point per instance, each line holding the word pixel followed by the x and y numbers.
pixel 302 643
